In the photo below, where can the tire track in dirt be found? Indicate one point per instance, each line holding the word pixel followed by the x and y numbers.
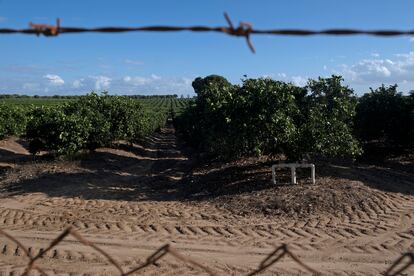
pixel 335 229
pixel 364 239
pixel 286 267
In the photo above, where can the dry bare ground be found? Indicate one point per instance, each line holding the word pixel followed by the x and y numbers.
pixel 131 200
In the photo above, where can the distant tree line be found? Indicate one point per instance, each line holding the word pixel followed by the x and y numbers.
pixel 22 96
pixel 258 117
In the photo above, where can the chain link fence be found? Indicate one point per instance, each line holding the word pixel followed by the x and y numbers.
pixel 399 266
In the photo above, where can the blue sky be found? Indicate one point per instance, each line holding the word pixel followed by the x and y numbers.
pixel 166 63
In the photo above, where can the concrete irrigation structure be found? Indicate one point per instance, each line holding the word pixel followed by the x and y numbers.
pixel 293 167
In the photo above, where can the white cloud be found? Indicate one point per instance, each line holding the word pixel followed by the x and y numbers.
pixel 30 86
pixel 155 84
pixel 375 55
pixel 102 82
pixel 187 81
pixel 296 80
pixel 377 70
pixel 51 84
pixel 54 79
pixel 155 77
pixel 139 80
pixel 78 83
pixel 299 80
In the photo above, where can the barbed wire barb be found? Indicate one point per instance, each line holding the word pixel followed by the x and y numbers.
pixel 244 29
pixel 399 261
pixel 46 30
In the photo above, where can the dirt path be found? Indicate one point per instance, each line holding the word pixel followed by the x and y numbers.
pixel 126 201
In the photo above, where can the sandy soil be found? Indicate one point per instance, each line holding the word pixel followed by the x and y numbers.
pixel 131 200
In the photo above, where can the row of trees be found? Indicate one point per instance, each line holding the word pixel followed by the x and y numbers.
pixel 23 96
pixel 264 116
pixel 260 116
pixel 87 123
pixel 13 120
pixel 387 116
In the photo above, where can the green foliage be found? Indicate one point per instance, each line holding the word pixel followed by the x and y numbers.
pixel 51 129
pixel 12 120
pixel 112 117
pixel 150 122
pixel 90 122
pixel 329 110
pixel 263 116
pixel 386 115
pixel 161 103
pixel 260 116
pixel 206 121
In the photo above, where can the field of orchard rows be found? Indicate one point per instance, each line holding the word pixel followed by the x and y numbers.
pixel 257 117
pixel 68 124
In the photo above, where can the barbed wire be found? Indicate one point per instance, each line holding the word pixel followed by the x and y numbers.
pixel 243 30
pixel 398 267
pixel 400 261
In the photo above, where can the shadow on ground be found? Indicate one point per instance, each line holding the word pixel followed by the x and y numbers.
pixel 7 156
pixel 126 172
pixel 157 170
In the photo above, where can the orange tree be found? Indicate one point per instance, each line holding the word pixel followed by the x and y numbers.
pixel 264 116
pixel 387 116
pixel 90 122
pixel 13 120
